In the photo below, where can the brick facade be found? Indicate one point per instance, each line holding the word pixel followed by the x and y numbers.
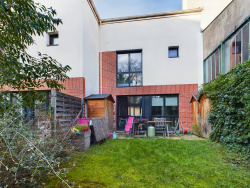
pixel 73 86
pixel 185 91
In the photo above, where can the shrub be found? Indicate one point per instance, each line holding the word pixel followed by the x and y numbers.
pixel 27 155
pixel 197 129
pixel 230 113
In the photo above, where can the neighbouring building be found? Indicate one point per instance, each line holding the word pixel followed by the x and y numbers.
pixel 151 64
pixel 226 40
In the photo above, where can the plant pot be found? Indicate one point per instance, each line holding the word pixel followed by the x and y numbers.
pixel 81 142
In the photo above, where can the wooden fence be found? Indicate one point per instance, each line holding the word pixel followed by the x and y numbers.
pixel 65 108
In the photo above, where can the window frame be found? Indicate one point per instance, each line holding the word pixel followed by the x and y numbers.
pixel 228 58
pixel 129 72
pixel 50 34
pixel 171 48
pixel 146 108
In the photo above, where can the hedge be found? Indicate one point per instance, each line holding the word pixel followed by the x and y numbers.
pixel 230 114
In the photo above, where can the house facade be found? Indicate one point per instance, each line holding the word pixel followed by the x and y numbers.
pixel 151 64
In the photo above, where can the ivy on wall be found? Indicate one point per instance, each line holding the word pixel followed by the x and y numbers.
pixel 230 114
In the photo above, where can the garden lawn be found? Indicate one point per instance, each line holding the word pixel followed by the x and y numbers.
pixel 153 163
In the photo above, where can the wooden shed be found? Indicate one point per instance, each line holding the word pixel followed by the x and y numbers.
pixel 101 105
pixel 205 108
pixel 201 108
pixel 195 108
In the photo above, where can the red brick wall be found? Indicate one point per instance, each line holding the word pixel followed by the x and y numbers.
pixel 185 91
pixel 73 86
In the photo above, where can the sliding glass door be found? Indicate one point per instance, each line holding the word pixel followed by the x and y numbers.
pixel 150 106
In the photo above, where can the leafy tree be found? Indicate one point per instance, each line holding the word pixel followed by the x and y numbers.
pixel 25 158
pixel 19 21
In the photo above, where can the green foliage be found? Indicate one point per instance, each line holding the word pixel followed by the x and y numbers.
pixel 153 163
pixel 197 129
pixel 80 128
pixel 230 113
pixel 19 22
pixel 26 155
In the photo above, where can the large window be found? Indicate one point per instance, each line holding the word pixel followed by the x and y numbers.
pixel 232 52
pixel 150 106
pixel 212 66
pixel 129 69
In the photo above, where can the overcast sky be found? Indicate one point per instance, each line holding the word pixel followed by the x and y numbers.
pixel 121 8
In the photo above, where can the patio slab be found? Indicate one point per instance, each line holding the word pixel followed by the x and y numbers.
pixel 174 137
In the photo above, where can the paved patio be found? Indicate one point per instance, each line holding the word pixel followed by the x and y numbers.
pixel 120 135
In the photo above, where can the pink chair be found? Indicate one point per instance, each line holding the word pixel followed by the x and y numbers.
pixel 129 126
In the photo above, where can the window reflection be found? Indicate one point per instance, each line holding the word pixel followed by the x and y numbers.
pixel 234 50
pixel 135 62
pixel 123 79
pixel 129 69
pixel 171 105
pixel 157 106
pixel 136 79
pixel 123 62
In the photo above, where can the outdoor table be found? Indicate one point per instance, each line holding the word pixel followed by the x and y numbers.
pixel 153 122
pixel 136 124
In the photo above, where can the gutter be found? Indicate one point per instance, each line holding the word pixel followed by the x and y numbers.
pixel 140 17
pixel 151 16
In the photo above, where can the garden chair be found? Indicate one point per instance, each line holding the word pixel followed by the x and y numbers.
pixel 160 125
pixel 173 130
pixel 138 126
pixel 129 126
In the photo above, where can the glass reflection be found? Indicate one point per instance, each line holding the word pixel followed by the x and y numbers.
pixel 135 62
pixel 136 79
pixel 123 79
pixel 123 63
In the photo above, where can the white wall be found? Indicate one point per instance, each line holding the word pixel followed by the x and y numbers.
pixel 154 37
pixel 212 9
pixel 78 41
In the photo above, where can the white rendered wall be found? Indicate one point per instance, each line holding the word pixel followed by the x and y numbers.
pixel 154 37
pixel 212 8
pixel 78 41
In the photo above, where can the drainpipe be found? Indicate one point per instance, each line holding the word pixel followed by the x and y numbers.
pixel 100 51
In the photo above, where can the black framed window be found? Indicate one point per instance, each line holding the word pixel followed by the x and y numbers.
pixel 150 106
pixel 53 39
pixel 129 69
pixel 173 51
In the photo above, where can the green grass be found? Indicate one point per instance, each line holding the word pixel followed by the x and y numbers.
pixel 154 163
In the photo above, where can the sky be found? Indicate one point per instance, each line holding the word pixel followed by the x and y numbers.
pixel 121 8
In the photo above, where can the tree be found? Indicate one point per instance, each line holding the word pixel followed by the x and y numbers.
pixel 24 157
pixel 19 21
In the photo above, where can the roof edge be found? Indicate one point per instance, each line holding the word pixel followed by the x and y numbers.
pixel 94 10
pixel 146 16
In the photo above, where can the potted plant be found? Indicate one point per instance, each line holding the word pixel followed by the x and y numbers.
pixel 80 138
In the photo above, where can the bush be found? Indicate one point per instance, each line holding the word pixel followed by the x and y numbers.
pixel 27 155
pixel 230 113
pixel 197 129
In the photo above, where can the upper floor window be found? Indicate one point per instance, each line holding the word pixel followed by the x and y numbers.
pixel 129 69
pixel 173 51
pixel 53 39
